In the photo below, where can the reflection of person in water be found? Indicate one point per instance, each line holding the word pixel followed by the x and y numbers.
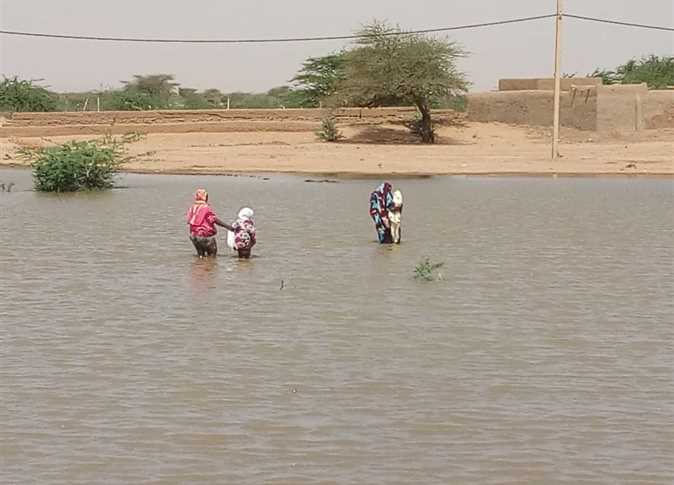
pixel 204 272
pixel 202 221
pixel 381 200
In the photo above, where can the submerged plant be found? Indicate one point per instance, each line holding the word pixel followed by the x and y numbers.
pixel 424 270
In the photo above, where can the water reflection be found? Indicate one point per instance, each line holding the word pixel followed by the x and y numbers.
pixel 204 273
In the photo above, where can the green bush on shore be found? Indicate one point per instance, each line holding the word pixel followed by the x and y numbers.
pixel 78 165
pixel 329 131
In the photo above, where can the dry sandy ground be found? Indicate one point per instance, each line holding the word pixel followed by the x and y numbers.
pixel 388 150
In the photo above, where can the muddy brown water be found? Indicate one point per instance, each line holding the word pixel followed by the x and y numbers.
pixel 543 355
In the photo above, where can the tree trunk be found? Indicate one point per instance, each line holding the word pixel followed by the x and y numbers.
pixel 426 125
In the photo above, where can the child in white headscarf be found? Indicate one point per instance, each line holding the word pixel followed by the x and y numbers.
pixel 242 238
pixel 394 214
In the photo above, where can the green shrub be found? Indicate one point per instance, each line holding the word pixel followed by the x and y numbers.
pixel 17 96
pixel 239 100
pixel 424 270
pixel 329 131
pixel 195 101
pixel 133 100
pixel 657 72
pixel 78 165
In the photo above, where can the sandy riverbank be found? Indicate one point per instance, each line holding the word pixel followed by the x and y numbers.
pixel 386 150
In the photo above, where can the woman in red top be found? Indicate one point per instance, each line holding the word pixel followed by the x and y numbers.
pixel 202 221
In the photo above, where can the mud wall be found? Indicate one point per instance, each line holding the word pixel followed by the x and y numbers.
pixel 197 116
pixel 620 107
pixel 533 108
pixel 616 108
pixel 188 121
pixel 545 84
pixel 658 109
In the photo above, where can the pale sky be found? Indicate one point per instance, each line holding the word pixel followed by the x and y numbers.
pixel 519 50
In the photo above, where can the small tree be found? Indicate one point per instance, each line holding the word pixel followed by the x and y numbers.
pixel 152 91
pixel 289 97
pixel 279 92
pixel 388 66
pixel 132 100
pixel 329 131
pixel 213 97
pixel 20 95
pixel 191 99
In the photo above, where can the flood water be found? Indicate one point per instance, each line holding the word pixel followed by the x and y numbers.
pixel 544 354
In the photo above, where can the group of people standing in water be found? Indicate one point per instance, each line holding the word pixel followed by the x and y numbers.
pixel 386 207
pixel 202 221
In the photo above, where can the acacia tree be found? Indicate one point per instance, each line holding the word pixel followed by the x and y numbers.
pixel 214 97
pixel 192 99
pixel 148 91
pixel 388 66
pixel 318 78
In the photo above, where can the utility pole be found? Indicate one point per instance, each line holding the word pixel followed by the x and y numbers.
pixel 558 66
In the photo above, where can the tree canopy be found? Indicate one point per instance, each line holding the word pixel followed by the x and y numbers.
pixel 318 78
pixel 388 66
pixel 21 95
pixel 657 72
pixel 150 91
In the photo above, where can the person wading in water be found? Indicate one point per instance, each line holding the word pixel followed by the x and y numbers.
pixel 381 201
pixel 202 221
pixel 242 239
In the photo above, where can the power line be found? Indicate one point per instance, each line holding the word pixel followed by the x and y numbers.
pixel 271 40
pixel 324 38
pixel 618 22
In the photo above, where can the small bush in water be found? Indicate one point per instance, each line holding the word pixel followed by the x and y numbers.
pixel 424 270
pixel 329 130
pixel 77 165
